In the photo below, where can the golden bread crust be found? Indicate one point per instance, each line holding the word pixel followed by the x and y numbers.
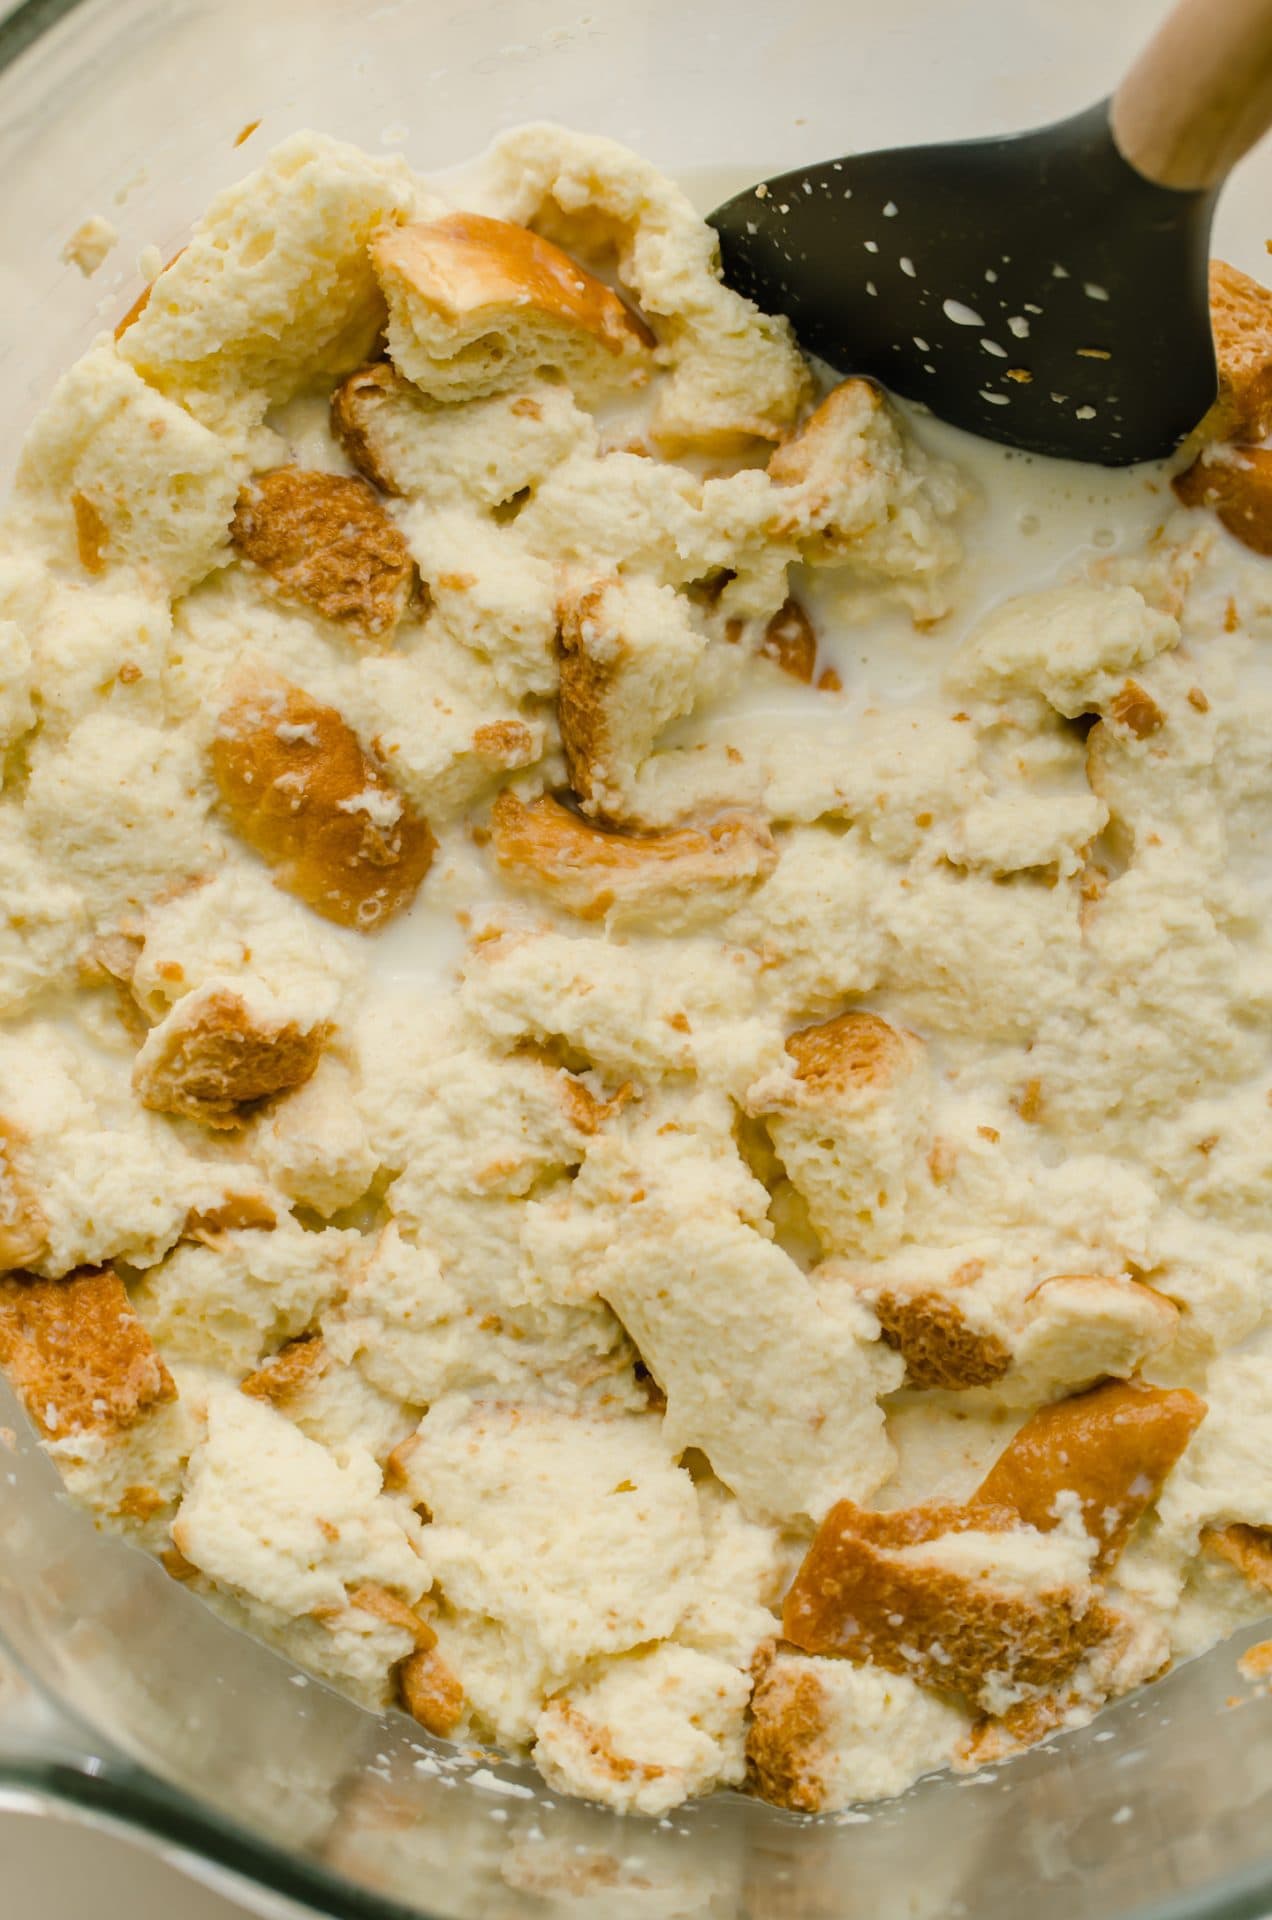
pixel 1241 321
pixel 854 1050
pixel 218 1066
pixel 325 540
pixel 77 1354
pixel 469 269
pixel 301 791
pixel 587 869
pixel 288 1372
pixel 1238 489
pixel 790 642
pixel 354 405
pixel 939 1347
pixel 788 1726
pixel 1113 1446
pixel 430 1692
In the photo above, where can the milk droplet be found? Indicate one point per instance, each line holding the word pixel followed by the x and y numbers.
pixel 961 315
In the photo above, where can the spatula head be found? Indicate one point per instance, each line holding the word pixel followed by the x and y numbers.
pixel 1035 290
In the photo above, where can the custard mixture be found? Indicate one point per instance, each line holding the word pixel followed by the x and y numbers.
pixel 635 1043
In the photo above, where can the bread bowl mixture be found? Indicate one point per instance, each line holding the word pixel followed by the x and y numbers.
pixel 634 1009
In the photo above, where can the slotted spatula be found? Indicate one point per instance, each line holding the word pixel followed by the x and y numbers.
pixel 1047 289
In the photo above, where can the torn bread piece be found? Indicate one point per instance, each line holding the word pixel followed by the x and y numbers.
pixel 1112 1447
pixel 522 1496
pixel 481 452
pixel 1241 322
pixel 825 1733
pixel 669 881
pixel 121 808
pixel 445 1302
pixel 964 1329
pixel 476 305
pixel 298 787
pixel 997 1598
pixel 228 1300
pixel 699 1011
pixel 236 931
pixel 962 1599
pixel 850 490
pixel 631 661
pixel 849 1119
pixel 332 1402
pixel 295 1539
pixel 1080 1328
pixel 940 1345
pixel 114 476
pixel 325 541
pixel 93 1176
pixel 1236 485
pixel 218 1058
pixel 1072 646
pixel 314 1146
pixel 274 286
pixel 647 1732
pixel 77 1354
pixel 735 374
pixel 496 602
pixel 668 1199
pixel 100 1396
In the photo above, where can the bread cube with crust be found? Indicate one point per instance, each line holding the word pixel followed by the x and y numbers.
pixel 299 788
pixel 476 305
pixel 826 1733
pixel 735 375
pixel 969 1327
pixel 998 1598
pixel 88 1175
pixel 115 476
pixel 325 541
pixel 647 1731
pixel 481 452
pixel 218 1058
pixel 670 881
pixel 1236 484
pixel 631 661
pixel 99 1394
pixel 1241 321
pixel 849 490
pixel 849 1120
pixel 274 286
pixel 77 1354
pixel 229 1299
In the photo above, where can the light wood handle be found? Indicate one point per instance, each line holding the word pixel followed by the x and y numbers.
pixel 1199 95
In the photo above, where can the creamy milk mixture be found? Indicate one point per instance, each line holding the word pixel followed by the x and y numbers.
pixel 634 990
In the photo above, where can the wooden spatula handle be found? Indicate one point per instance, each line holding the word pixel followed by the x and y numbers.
pixel 1199 95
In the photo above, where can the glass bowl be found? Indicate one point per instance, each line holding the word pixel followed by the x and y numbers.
pixel 122 1697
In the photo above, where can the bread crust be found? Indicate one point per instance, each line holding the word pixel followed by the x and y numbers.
pixel 300 790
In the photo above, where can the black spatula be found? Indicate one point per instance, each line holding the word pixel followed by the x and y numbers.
pixel 1048 289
